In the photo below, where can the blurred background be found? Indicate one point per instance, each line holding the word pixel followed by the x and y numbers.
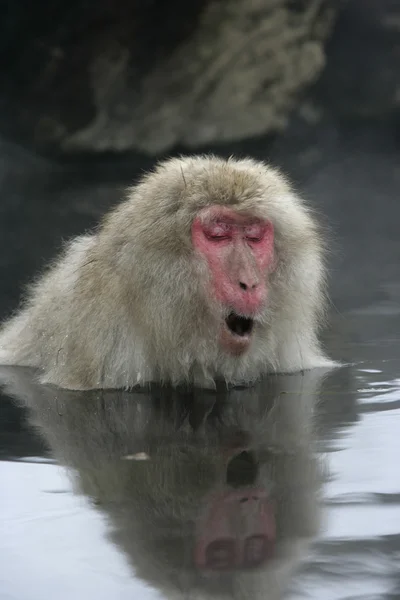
pixel 91 95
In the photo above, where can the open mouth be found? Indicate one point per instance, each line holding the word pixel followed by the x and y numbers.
pixel 241 326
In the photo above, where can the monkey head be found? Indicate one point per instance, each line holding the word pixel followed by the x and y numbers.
pixel 227 264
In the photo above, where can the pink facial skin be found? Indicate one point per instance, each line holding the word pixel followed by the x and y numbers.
pixel 240 253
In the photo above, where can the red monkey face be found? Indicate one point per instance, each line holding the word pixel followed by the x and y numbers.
pixel 239 251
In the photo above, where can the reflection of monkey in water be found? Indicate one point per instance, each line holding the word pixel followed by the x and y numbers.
pixel 208 497
pixel 210 270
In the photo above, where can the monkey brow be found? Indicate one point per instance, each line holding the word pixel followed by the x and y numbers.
pixel 239 221
pixel 231 223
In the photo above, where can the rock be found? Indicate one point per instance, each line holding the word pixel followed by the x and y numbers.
pixel 150 75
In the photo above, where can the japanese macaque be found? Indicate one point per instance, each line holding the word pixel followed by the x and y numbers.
pixel 208 494
pixel 211 270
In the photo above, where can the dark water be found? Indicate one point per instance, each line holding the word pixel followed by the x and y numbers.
pixel 177 495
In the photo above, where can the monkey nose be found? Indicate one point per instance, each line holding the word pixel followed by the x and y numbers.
pixel 248 285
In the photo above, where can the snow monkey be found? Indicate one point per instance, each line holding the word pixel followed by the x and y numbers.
pixel 210 270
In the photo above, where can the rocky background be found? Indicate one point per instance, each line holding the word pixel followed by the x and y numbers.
pixel 151 76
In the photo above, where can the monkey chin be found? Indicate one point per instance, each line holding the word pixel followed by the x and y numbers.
pixel 236 334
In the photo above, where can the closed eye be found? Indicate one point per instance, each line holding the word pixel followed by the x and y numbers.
pixel 218 231
pixel 255 232
pixel 218 238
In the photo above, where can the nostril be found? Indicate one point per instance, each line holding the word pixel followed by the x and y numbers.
pixel 245 286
